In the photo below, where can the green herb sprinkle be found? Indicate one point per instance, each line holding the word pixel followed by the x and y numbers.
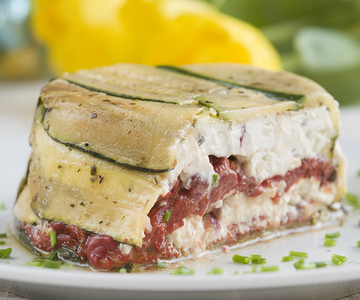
pixel 298 254
pixel 5 253
pixel 216 271
pixel 332 235
pixel 167 215
pixel 241 259
pixel 329 242
pixel 182 271
pixel 53 239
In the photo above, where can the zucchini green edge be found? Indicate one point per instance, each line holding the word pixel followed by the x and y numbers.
pixel 125 96
pixel 93 153
pixel 270 94
pixel 25 240
pixel 69 255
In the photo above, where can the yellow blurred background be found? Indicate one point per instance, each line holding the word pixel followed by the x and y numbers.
pixel 318 39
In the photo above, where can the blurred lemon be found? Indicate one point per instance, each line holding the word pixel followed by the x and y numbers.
pixel 90 33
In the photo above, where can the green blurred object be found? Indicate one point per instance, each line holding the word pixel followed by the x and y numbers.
pixel 317 39
pixel 324 50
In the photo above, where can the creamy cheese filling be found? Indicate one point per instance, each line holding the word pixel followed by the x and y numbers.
pixel 267 146
pixel 244 214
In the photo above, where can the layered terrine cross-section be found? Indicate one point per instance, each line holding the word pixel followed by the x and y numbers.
pixel 134 164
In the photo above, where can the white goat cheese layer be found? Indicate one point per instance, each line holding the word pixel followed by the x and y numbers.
pixel 266 146
pixel 247 214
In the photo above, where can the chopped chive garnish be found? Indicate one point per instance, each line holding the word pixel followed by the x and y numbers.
pixel 216 271
pixel 236 273
pixel 34 263
pixel 2 242
pixel 161 264
pixel 255 256
pixel 2 206
pixel 3 235
pixel 299 263
pixel 5 253
pixel 269 269
pixel 167 215
pixel 321 264
pixel 52 255
pixel 260 261
pixel 352 200
pixel 38 259
pixel 215 179
pixel 307 266
pixel 182 271
pixel 122 270
pixel 358 243
pixel 53 239
pixel 240 259
pixel 336 261
pixel 298 254
pixel 339 257
pixel 332 235
pixel 287 258
pixel 358 173
pixel 329 242
pixel 51 264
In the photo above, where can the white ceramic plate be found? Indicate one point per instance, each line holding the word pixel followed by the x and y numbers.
pixel 327 283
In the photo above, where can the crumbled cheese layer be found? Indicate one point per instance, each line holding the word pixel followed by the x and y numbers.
pixel 246 213
pixel 267 146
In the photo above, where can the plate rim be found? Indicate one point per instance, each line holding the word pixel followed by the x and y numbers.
pixel 162 282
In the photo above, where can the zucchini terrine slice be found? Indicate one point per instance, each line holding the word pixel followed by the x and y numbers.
pixel 134 164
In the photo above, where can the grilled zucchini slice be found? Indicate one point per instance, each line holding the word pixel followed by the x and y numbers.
pixel 73 187
pixel 273 94
pixel 243 104
pixel 138 134
pixel 281 86
pixel 142 82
